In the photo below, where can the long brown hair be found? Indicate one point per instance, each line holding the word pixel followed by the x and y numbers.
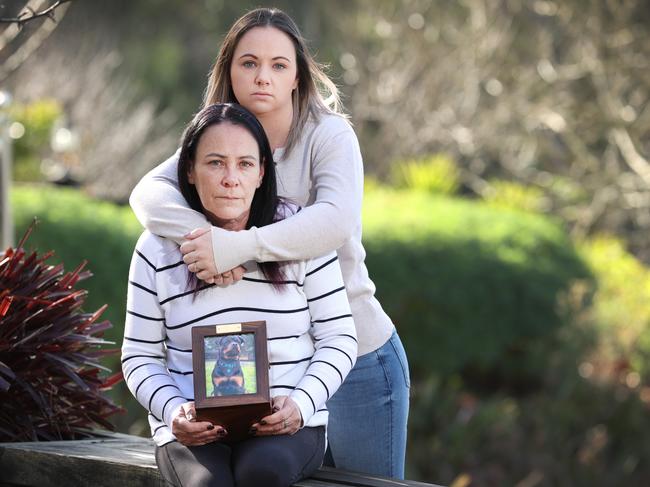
pixel 308 98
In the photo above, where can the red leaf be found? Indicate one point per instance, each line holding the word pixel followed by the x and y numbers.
pixel 4 305
pixel 112 380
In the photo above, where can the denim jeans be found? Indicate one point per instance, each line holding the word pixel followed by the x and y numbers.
pixel 369 412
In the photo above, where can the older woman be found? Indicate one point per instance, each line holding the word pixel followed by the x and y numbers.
pixel 226 172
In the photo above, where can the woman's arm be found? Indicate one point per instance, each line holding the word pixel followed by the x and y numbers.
pixel 143 352
pixel 159 205
pixel 337 179
pixel 333 333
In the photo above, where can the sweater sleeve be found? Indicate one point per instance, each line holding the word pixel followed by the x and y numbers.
pixel 337 181
pixel 159 205
pixel 143 350
pixel 333 332
pixel 323 226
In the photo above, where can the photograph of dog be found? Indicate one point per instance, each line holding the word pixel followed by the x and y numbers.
pixel 232 358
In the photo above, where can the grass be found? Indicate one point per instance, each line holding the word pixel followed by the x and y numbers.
pixel 250 380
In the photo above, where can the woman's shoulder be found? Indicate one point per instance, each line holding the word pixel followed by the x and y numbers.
pixel 330 124
pixel 332 132
pixel 157 250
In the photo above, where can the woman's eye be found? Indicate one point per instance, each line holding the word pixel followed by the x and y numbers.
pixel 248 64
pixel 246 164
pixel 215 162
pixel 279 66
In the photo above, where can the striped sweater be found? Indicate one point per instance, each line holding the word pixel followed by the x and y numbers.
pixel 311 336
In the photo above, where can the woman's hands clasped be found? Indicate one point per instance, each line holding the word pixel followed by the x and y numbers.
pixel 190 432
pixel 285 420
pixel 198 255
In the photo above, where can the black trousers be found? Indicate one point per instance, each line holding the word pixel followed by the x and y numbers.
pixel 269 461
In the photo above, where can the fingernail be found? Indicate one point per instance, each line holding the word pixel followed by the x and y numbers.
pixel 252 431
pixel 262 422
pixel 210 426
pixel 222 432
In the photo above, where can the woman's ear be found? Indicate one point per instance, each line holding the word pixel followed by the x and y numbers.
pixel 190 176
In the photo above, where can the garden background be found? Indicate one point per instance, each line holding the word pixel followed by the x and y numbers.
pixel 506 213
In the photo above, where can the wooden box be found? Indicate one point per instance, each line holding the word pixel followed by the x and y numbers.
pixel 231 375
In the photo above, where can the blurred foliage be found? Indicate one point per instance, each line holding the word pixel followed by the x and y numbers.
pixel 491 275
pixel 516 372
pixel 37 120
pixel 573 432
pixel 542 92
pixel 80 228
pixel 510 194
pixel 436 174
pixel 621 308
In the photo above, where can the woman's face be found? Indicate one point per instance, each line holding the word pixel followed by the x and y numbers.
pixel 226 173
pixel 263 70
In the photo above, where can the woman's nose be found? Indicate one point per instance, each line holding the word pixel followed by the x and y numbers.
pixel 262 78
pixel 229 178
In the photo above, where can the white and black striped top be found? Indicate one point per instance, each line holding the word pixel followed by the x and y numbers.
pixel 312 343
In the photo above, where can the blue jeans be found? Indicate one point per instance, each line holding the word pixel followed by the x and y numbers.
pixel 369 412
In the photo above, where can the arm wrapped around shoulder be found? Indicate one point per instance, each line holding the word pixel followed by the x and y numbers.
pixel 159 205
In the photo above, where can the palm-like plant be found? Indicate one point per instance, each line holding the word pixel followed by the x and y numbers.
pixel 51 381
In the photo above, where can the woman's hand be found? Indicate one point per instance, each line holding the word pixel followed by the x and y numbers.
pixel 199 257
pixel 285 420
pixel 190 432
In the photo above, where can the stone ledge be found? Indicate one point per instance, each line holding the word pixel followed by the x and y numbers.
pixel 118 459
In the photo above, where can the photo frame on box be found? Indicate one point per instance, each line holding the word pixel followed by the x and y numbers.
pixel 231 379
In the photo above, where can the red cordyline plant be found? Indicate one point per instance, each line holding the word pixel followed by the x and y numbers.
pixel 50 382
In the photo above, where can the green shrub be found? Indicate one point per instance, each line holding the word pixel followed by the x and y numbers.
pixel 575 433
pixel 621 309
pixel 436 174
pixel 80 228
pixel 473 289
pixel 469 285
pixel 509 194
pixel 37 118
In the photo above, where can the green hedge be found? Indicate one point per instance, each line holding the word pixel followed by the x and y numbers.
pixel 469 285
pixel 79 228
pixel 463 281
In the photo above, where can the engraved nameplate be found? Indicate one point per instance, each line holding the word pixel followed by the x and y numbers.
pixel 232 328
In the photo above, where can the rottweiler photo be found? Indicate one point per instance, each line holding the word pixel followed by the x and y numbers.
pixel 233 364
